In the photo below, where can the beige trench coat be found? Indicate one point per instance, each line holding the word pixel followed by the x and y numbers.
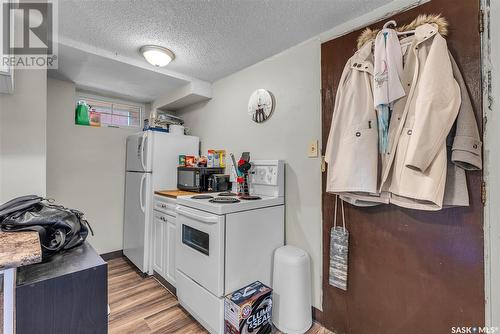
pixel 416 172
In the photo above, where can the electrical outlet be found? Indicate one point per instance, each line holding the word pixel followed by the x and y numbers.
pixel 312 151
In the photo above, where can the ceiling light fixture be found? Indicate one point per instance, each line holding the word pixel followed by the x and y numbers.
pixel 156 55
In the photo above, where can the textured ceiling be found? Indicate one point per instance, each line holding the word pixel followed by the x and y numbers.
pixel 115 78
pixel 211 39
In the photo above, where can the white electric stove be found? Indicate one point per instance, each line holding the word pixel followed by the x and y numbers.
pixel 223 247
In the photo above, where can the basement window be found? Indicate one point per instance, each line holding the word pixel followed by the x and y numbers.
pixel 105 112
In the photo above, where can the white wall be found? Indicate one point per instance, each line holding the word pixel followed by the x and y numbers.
pixel 223 123
pixel 22 136
pixel 85 167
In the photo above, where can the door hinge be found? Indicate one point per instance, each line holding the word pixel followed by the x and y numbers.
pixel 481 21
pixel 483 193
pixel 323 164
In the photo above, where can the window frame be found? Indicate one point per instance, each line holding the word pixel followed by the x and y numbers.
pixel 83 95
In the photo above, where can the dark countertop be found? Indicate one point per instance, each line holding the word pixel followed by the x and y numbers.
pixel 66 263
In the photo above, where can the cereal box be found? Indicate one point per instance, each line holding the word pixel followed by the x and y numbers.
pixel 210 158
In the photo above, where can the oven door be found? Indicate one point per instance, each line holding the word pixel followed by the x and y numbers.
pixel 200 248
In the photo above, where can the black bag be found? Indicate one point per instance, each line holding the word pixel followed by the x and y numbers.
pixel 59 228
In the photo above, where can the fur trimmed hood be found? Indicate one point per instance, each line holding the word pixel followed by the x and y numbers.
pixel 437 19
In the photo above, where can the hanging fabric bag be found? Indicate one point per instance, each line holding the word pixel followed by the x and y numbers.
pixel 339 245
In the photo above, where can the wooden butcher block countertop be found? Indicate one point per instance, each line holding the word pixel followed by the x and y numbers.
pixel 19 249
pixel 174 193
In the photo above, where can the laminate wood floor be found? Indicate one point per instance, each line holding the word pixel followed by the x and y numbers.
pixel 143 305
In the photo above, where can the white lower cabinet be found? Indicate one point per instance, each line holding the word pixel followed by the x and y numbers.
pixel 158 244
pixel 170 237
pixel 164 238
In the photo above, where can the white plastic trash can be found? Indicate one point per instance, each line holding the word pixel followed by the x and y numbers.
pixel 292 312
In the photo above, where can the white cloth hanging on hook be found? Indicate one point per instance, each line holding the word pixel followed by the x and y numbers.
pixel 387 87
pixel 388 68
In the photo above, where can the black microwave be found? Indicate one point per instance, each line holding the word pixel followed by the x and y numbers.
pixel 195 178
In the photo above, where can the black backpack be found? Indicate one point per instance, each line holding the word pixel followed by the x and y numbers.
pixel 59 228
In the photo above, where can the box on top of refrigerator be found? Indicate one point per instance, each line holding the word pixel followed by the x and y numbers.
pixel 249 310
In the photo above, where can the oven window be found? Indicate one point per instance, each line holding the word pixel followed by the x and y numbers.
pixel 196 239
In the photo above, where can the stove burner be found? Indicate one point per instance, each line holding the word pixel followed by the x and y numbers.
pixel 202 197
pixel 249 197
pixel 224 200
pixel 228 193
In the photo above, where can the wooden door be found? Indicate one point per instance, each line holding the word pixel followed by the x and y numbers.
pixel 409 271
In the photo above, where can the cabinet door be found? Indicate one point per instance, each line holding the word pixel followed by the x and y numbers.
pixel 170 240
pixel 158 245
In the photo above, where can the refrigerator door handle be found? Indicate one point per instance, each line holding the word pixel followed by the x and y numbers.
pixel 141 191
pixel 143 148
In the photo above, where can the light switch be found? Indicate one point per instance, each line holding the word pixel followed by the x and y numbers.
pixel 312 151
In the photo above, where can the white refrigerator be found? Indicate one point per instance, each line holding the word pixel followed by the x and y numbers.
pixel 151 164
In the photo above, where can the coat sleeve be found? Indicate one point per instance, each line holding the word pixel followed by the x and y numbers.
pixel 333 135
pixel 466 150
pixel 436 107
pixel 332 146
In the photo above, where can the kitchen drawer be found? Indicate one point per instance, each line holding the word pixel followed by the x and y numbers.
pixel 201 304
pixel 165 204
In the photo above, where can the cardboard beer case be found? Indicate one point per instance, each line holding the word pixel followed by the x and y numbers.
pixel 249 310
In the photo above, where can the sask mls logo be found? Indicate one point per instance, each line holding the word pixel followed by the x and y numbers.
pixel 29 34
pixel 474 330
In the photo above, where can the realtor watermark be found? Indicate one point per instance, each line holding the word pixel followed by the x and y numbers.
pixel 28 32
pixel 474 330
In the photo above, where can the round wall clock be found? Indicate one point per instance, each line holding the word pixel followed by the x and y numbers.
pixel 261 105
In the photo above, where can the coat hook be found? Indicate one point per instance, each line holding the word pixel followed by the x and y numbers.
pixel 390 23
